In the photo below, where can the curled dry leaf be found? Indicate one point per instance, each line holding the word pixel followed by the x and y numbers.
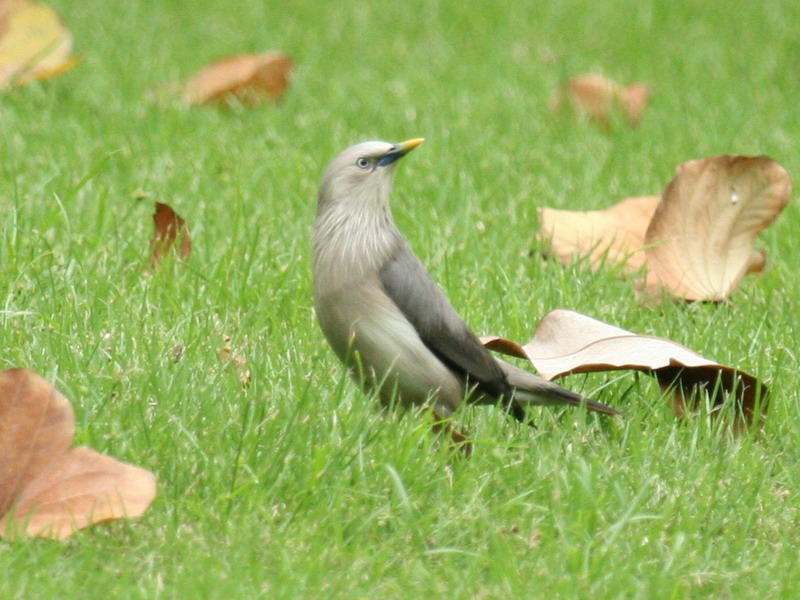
pixel 48 489
pixel 595 97
pixel 615 235
pixel 167 226
pixel 34 43
pixel 246 78
pixel 699 242
pixel 695 240
pixel 568 342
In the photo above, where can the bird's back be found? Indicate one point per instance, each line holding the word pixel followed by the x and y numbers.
pixel 442 330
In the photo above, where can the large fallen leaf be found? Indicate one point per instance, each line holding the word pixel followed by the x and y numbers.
pixel 48 489
pixel 695 240
pixel 36 425
pixel 167 227
pixel 699 242
pixel 34 43
pixel 245 78
pixel 615 234
pixel 595 97
pixel 568 342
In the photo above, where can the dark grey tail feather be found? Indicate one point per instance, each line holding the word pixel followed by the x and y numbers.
pixel 532 389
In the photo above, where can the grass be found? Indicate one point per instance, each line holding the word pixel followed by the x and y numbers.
pixel 296 487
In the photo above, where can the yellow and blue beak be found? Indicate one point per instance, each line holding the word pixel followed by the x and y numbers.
pixel 399 151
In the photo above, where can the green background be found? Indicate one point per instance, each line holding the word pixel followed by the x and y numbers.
pixel 296 486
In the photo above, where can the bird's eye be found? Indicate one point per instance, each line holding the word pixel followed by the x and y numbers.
pixel 363 163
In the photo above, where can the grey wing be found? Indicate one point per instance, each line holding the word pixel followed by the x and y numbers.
pixel 421 301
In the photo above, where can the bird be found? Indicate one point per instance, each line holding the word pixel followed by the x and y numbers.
pixel 384 316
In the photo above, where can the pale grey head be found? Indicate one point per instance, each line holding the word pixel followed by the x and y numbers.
pixel 354 231
pixel 363 174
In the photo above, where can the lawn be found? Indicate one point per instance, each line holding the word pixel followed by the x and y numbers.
pixel 296 486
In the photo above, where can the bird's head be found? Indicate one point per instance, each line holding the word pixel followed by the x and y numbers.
pixel 363 173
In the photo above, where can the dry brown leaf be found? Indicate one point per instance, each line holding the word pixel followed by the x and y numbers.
pixel 757 262
pixel 79 489
pixel 633 100
pixel 568 342
pixel 615 235
pixel 167 226
pixel 247 78
pixel 34 43
pixel 699 242
pixel 48 489
pixel 595 97
pixel 36 426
